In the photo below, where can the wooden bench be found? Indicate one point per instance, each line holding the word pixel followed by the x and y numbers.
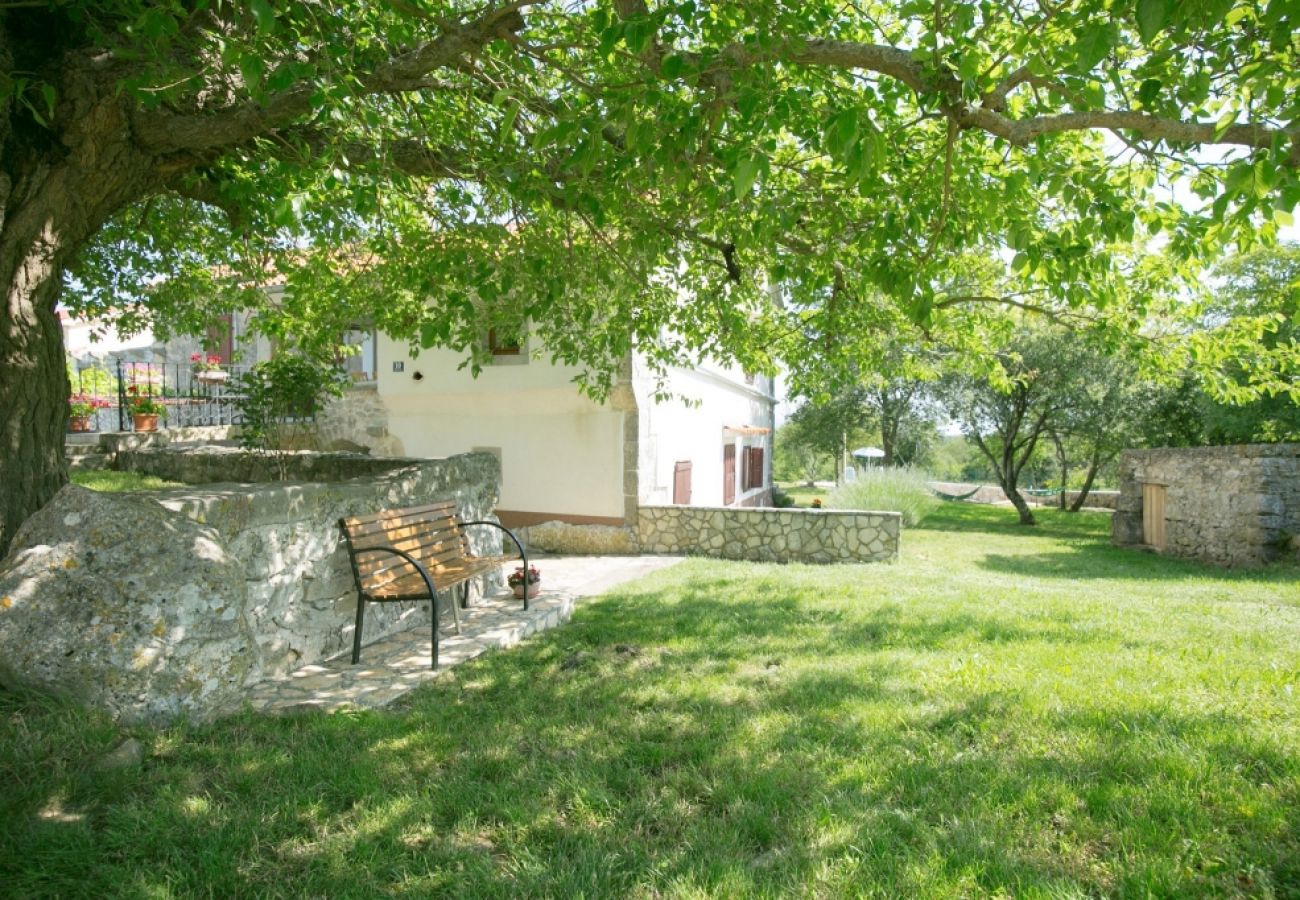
pixel 416 553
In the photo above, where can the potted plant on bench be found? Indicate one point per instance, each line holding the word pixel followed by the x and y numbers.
pixel 521 580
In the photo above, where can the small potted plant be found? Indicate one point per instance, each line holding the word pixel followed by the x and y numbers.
pixel 145 408
pixel 207 368
pixel 80 409
pixel 521 580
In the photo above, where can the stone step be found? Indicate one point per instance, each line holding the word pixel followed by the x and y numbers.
pixel 80 448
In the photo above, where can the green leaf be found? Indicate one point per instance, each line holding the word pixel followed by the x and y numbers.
pixel 745 174
pixel 672 66
pixel 1149 90
pixel 1092 45
pixel 264 13
pixel 841 133
pixel 1152 17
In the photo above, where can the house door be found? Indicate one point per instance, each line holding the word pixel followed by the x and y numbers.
pixel 1153 515
pixel 682 483
pixel 728 474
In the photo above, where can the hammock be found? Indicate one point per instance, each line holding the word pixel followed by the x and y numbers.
pixel 942 496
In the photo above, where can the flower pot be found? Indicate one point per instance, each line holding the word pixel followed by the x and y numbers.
pixel 144 421
pixel 533 590
pixel 212 376
pixel 79 423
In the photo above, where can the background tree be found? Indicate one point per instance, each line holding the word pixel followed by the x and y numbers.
pixel 1007 411
pixel 1104 403
pixel 440 165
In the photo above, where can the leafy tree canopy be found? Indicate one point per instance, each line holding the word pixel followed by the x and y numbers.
pixel 623 173
pixel 439 166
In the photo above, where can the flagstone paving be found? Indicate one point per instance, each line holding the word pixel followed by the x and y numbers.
pixel 396 665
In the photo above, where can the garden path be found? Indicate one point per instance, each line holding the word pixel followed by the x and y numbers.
pixel 399 663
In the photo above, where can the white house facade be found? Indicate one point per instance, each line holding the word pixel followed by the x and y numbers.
pixel 567 458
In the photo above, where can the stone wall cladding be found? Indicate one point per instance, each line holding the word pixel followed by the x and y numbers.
pixel 156 604
pixel 587 540
pixel 358 420
pixel 771 535
pixel 1237 505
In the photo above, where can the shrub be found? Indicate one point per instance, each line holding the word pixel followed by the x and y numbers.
pixel 279 399
pixel 780 499
pixel 900 490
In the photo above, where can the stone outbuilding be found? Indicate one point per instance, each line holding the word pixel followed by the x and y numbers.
pixel 1232 506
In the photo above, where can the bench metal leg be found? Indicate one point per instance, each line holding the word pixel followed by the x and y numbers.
pixel 356 635
pixel 455 611
pixel 434 603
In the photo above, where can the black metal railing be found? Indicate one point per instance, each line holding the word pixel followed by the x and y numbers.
pixel 189 393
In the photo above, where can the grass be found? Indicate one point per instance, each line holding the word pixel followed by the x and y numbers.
pixel 1006 712
pixel 115 482
pixel 803 496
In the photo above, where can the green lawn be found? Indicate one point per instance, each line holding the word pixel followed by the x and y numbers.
pixel 1006 712
pixel 803 496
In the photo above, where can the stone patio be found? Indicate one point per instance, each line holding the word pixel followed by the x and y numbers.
pixel 396 665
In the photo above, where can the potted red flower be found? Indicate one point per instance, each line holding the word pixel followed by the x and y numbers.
pixel 207 368
pixel 80 409
pixel 145 408
pixel 521 580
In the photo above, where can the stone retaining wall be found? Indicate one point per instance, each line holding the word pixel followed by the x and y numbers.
pixel 1237 505
pixel 206 464
pixel 771 535
pixel 154 604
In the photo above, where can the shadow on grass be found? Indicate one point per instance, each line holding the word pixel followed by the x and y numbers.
pixel 669 742
pixel 1100 562
pixel 981 517
pixel 608 779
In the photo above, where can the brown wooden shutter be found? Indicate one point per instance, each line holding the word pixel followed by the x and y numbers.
pixel 220 338
pixel 728 474
pixel 682 482
pixel 753 468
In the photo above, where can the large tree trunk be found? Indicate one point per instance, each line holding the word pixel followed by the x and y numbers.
pixel 33 381
pixel 52 199
pixel 33 389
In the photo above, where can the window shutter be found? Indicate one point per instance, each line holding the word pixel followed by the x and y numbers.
pixel 753 468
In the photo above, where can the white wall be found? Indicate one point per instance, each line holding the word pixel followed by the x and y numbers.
pixel 560 452
pixel 673 431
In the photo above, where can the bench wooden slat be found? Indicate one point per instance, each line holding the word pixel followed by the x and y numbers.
pixel 412 587
pixel 442 527
pixel 448 572
pixel 362 524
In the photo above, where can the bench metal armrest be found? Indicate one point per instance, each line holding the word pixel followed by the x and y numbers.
pixel 523 554
pixel 419 566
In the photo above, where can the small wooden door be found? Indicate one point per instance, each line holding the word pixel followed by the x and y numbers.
pixel 1153 515
pixel 682 483
pixel 728 474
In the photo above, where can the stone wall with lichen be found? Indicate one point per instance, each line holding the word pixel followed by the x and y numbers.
pixel 771 535
pixel 160 603
pixel 1237 505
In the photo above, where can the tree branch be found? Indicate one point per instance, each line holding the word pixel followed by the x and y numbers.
pixel 167 132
